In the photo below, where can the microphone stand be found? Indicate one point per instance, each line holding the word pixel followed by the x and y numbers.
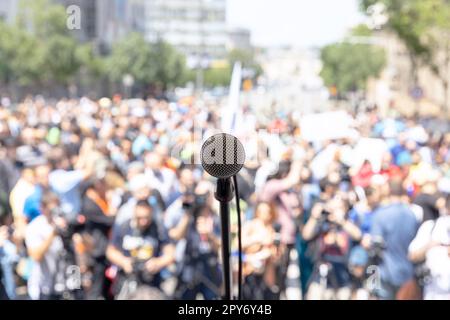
pixel 224 194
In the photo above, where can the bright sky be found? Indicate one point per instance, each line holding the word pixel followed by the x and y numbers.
pixel 304 23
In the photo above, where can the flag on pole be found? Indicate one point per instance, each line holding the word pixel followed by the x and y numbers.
pixel 232 113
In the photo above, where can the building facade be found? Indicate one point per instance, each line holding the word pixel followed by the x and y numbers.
pixel 239 39
pixel 196 27
pixel 106 21
pixel 395 88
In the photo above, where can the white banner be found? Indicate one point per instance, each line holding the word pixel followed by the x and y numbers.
pixel 326 126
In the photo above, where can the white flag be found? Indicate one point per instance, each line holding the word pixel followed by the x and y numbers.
pixel 232 114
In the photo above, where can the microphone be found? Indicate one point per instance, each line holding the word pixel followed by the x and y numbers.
pixel 223 156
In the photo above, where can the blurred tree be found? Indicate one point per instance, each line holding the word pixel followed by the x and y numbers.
pixel 52 59
pixel 424 27
pixel 21 58
pixel 38 51
pixel 7 41
pixel 157 64
pixel 348 66
pixel 247 58
pixel 170 65
pixel 131 55
pixel 93 73
pixel 218 77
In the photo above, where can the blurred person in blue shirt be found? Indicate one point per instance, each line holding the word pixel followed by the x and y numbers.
pixel 395 225
pixel 8 257
pixel 65 181
pixel 32 207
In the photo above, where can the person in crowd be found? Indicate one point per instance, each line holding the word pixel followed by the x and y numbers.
pixel 8 171
pixel 431 248
pixel 19 194
pixel 186 186
pixel 259 246
pixel 427 197
pixel 8 259
pixel 278 191
pixel 44 245
pixel 333 233
pixel 140 189
pixel 98 222
pixel 395 268
pixel 140 248
pixel 197 231
pixel 32 204
pixel 160 177
pixel 3 237
pixel 310 192
pixel 65 180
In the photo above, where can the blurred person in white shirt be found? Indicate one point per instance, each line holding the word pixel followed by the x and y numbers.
pixel 431 246
pixel 159 177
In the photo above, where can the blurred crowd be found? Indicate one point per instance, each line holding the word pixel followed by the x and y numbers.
pixel 106 200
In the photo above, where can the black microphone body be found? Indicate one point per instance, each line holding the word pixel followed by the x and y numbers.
pixel 222 157
pixel 224 194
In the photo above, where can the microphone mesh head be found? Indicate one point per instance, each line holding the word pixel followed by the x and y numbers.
pixel 222 155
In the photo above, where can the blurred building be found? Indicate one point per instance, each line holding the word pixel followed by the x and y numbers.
pixel 239 38
pixel 106 21
pixel 89 12
pixel 195 27
pixel 8 10
pixel 102 21
pixel 291 81
pixel 396 86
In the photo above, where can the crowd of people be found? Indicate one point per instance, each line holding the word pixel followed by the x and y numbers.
pixel 105 200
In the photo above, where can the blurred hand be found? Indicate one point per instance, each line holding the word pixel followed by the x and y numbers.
pixel 60 223
pixel 153 265
pixel 316 211
pixel 127 265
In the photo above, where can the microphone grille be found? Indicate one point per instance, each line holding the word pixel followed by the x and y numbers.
pixel 222 155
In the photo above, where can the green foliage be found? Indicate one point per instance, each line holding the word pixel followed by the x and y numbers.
pixel 417 23
pixel 39 51
pixel 424 27
pixel 247 58
pixel 157 63
pixel 214 77
pixel 131 56
pixel 349 66
pixel 361 31
pixel 7 44
pixel 169 65
pixel 22 58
